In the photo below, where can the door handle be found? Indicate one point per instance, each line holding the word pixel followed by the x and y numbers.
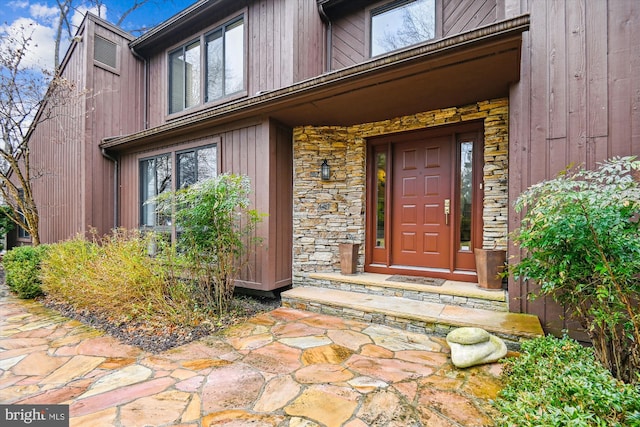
pixel 447 210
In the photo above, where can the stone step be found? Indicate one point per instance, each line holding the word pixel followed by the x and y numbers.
pixel 450 292
pixel 409 314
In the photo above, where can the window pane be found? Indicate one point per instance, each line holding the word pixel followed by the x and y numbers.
pixel 466 194
pixel 234 58
pixel 214 66
pixel 196 165
pixel 400 25
pixel 155 177
pixel 176 82
pixel 207 163
pixel 186 169
pixel 381 179
pixel 225 61
pixel 192 73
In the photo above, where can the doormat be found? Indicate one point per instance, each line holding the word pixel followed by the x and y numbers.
pixel 416 279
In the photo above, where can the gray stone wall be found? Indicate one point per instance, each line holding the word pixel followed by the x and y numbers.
pixel 327 213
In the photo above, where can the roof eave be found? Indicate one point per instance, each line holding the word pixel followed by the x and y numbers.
pixel 180 19
pixel 260 104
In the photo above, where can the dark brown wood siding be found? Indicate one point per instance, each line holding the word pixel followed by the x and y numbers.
pixel 281 225
pixel 76 189
pixel 284 45
pixel 459 16
pixel 349 32
pixel 263 152
pixel 577 103
pixel 115 108
pixel 58 151
pixel 348 40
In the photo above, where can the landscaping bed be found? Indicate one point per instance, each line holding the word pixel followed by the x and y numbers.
pixel 156 337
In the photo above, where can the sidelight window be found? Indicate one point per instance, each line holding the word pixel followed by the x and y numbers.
pixel 381 192
pixel 466 194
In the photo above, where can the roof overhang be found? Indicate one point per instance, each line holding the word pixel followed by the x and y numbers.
pixel 476 65
pixel 195 17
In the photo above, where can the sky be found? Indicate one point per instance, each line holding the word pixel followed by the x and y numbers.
pixel 41 18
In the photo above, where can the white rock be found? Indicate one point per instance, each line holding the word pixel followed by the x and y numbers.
pixel 467 336
pixel 466 355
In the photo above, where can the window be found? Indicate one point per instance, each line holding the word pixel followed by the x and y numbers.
pixel 155 179
pixel 225 61
pixel 400 24
pixel 466 195
pixel 381 195
pixel 184 77
pixel 22 233
pixel 223 74
pixel 105 52
pixel 196 165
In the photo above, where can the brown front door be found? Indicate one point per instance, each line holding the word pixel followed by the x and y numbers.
pixel 424 202
pixel 421 194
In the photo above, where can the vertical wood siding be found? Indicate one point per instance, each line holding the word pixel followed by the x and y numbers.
pixel 576 103
pixel 57 151
pixel 284 46
pixel 76 188
pixel 115 108
pixel 281 225
pixel 246 151
pixel 261 151
pixel 157 102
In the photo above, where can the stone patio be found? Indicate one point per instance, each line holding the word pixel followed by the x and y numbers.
pixel 284 368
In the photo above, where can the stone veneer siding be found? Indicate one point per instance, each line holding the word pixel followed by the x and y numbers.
pixel 326 213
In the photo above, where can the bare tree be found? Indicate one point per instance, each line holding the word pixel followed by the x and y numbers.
pixel 28 96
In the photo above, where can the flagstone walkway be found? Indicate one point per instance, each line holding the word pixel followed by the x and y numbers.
pixel 285 368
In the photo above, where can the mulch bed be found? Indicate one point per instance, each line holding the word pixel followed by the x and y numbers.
pixel 156 338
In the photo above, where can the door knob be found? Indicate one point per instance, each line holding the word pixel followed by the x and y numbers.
pixel 447 210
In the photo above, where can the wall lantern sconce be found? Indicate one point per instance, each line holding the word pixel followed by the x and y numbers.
pixel 325 171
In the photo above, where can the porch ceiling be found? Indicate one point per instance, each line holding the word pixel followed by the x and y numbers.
pixel 478 65
pixel 450 78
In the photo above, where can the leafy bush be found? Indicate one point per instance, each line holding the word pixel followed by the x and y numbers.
pixel 581 235
pixel 558 382
pixel 115 277
pixel 216 233
pixel 22 269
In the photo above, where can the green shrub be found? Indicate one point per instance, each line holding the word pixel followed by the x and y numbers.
pixel 22 270
pixel 558 382
pixel 581 241
pixel 217 233
pixel 115 278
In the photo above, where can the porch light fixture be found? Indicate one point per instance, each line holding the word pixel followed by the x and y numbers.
pixel 325 171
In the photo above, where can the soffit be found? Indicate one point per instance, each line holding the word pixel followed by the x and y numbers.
pixel 183 24
pixel 477 65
